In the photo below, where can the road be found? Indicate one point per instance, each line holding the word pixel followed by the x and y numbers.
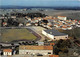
pixel 26 55
pixel 39 33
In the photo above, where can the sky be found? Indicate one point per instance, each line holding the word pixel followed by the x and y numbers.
pixel 50 3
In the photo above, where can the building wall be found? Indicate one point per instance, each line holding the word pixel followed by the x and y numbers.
pixel 61 37
pixel 62 18
pixel 54 37
pixel 7 53
pixel 47 35
pixel 43 52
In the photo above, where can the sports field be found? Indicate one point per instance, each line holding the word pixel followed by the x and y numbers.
pixel 16 34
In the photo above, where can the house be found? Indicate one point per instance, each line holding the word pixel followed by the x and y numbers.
pixel 4 23
pixel 30 49
pixel 54 34
pixel 7 51
pixel 64 27
pixel 39 18
pixel 62 17
pixel 13 17
pixel 79 22
pixel 53 55
pixel 55 25
pixel 78 25
pixel 36 24
pixel 52 44
pixel 69 27
pixel 28 24
pixel 29 19
pixel 20 24
pixel 73 23
pixel 58 26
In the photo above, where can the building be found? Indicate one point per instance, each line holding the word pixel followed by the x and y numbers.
pixel 44 50
pixel 20 24
pixel 4 23
pixel 28 24
pixel 40 43
pixel 52 44
pixel 13 17
pixel 7 51
pixel 78 25
pixel 54 34
pixel 62 17
pixel 64 27
pixel 69 27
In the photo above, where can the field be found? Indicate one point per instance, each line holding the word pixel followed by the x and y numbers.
pixel 71 14
pixel 16 34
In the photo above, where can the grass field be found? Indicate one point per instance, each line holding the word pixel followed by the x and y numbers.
pixel 16 34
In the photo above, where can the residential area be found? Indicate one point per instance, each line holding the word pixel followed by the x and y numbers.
pixel 34 34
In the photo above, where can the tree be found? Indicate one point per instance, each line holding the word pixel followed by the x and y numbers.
pixel 62 46
pixel 56 50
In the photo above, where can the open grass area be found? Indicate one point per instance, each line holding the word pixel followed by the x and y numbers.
pixel 16 34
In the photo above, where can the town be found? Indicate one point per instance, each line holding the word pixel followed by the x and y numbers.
pixel 34 34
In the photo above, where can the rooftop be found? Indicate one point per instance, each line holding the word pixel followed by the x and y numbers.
pixel 53 55
pixel 61 16
pixel 54 32
pixel 7 50
pixel 28 47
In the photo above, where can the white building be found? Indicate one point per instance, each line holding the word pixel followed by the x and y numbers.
pixel 7 52
pixel 78 25
pixel 13 17
pixel 28 24
pixel 44 50
pixel 54 34
pixel 69 27
pixel 20 24
pixel 40 43
pixel 62 17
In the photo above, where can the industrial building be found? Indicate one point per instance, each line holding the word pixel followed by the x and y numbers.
pixel 54 34
pixel 30 49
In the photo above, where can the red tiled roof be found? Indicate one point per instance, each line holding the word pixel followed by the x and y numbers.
pixel 7 50
pixel 4 22
pixel 61 16
pixel 52 44
pixel 53 55
pixel 75 20
pixel 36 47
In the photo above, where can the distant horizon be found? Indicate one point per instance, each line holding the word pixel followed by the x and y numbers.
pixel 43 7
pixel 42 3
pixel 36 6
